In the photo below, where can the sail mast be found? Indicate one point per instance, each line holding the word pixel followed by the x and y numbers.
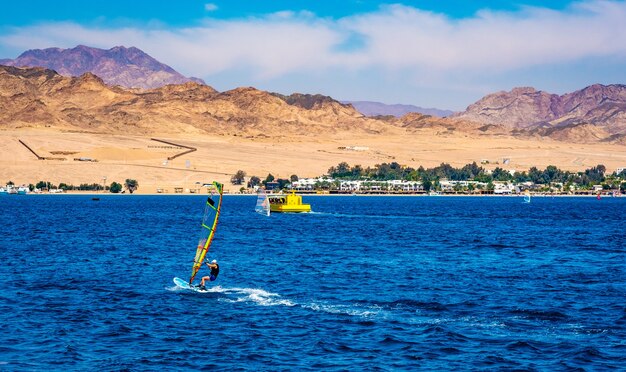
pixel 211 215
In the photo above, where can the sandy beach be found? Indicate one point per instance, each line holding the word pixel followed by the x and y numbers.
pixel 115 158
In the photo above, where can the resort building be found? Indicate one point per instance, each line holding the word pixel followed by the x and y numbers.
pixel 502 188
pixel 309 184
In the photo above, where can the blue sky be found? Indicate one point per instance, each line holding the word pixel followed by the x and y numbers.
pixel 430 53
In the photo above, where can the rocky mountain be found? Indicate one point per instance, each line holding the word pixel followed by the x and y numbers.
pixel 597 111
pixel 37 97
pixel 369 108
pixel 127 67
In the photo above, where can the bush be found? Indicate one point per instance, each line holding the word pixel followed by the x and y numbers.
pixel 115 187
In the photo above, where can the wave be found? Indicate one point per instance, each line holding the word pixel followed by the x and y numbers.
pixel 434 316
pixel 522 346
pixel 540 314
pixel 343 309
pixel 377 216
pixel 265 298
pixel 256 295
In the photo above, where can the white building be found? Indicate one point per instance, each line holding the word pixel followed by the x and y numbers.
pixel 502 188
pixel 308 184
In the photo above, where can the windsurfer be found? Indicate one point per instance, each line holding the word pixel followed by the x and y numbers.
pixel 215 271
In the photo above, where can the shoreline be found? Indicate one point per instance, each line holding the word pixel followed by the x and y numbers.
pixel 96 194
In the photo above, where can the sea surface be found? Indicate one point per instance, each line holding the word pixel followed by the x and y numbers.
pixel 362 283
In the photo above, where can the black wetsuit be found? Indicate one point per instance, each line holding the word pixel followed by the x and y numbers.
pixel 215 271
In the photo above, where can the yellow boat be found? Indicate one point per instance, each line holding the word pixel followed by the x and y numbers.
pixel 288 203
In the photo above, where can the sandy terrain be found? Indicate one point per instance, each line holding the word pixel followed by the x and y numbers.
pixel 219 157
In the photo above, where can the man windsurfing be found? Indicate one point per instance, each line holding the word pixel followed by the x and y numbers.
pixel 215 271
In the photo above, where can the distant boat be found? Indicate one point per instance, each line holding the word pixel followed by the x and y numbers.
pixel 288 203
pixel 262 203
pixel 434 193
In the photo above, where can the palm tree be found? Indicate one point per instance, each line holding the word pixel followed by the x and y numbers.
pixel 238 178
pixel 131 185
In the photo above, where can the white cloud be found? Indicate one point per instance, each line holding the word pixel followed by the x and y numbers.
pixel 210 7
pixel 398 44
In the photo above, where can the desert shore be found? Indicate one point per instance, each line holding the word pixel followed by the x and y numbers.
pixel 107 158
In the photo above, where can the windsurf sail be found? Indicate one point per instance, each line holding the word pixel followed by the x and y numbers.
pixel 209 224
pixel 262 203
pixel 527 196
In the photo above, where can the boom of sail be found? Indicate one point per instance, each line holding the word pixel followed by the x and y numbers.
pixel 209 224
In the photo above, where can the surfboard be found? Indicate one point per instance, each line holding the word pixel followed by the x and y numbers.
pixel 184 285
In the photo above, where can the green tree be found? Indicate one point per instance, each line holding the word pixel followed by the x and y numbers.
pixel 254 181
pixel 115 187
pixel 65 187
pixel 520 177
pixel 535 175
pixel 483 177
pixel 356 172
pixel 342 170
pixel 552 174
pixel 293 178
pixel 238 178
pixel 282 183
pixel 596 174
pixel 131 185
pixel 427 184
pixel 500 174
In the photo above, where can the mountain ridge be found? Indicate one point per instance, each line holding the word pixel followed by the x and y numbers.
pixel 603 106
pixel 32 97
pixel 127 67
pixel 596 113
pixel 372 108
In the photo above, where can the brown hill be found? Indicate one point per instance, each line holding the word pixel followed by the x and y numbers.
pixel 519 108
pixel 575 133
pixel 448 126
pixel 35 97
pixel 128 67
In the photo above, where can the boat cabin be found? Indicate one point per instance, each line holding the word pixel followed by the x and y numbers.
pixel 288 203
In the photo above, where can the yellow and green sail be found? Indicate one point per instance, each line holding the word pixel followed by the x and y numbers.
pixel 209 224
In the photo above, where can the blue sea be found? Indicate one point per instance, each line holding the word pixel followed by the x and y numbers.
pixel 362 283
